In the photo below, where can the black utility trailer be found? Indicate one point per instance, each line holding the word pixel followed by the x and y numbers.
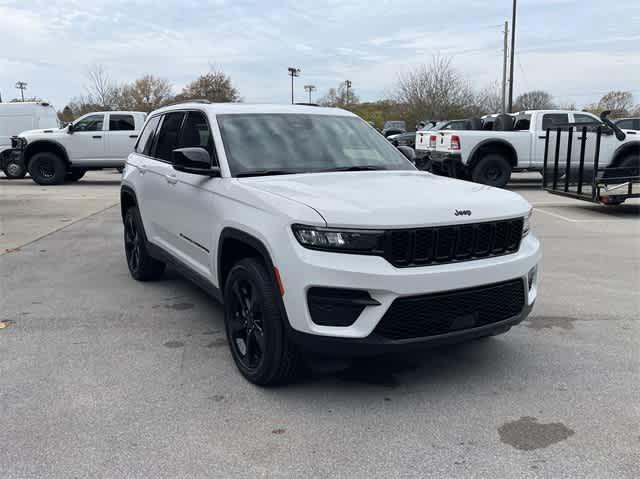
pixel 577 171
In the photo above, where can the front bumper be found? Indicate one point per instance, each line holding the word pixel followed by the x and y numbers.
pixel 302 269
pixel 375 345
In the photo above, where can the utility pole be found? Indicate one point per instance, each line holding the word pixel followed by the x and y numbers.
pixel 348 85
pixel 310 88
pixel 22 86
pixel 293 72
pixel 504 68
pixel 513 52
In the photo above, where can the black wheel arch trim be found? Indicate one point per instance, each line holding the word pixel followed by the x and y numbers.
pixel 474 157
pixel 126 190
pixel 622 151
pixel 242 236
pixel 30 146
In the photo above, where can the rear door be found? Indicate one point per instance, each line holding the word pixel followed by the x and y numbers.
pixel 159 180
pixel 121 136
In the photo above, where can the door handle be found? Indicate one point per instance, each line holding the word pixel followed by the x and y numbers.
pixel 97 136
pixel 142 168
pixel 542 137
pixel 133 136
pixel 171 179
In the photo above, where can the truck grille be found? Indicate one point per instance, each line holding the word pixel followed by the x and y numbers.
pixel 441 313
pixel 450 244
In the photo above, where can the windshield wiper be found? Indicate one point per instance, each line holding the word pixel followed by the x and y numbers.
pixel 266 173
pixel 356 168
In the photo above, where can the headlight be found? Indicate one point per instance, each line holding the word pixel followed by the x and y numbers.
pixel 336 239
pixel 526 226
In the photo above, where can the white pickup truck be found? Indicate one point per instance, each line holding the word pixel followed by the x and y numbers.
pixel 517 143
pixel 92 142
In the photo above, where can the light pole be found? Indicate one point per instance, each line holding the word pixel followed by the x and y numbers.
pixel 293 72
pixel 513 51
pixel 348 85
pixel 22 86
pixel 310 88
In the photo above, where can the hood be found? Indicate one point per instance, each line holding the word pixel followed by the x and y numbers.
pixel 393 199
pixel 41 132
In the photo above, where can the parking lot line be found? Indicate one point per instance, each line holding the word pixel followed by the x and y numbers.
pixel 572 220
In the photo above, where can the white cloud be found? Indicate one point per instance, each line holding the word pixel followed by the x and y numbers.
pixel 572 52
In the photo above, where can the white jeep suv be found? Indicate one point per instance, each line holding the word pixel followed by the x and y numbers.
pixel 319 236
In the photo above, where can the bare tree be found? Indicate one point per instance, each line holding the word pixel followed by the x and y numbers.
pixel 488 100
pixel 620 103
pixel 534 100
pixel 214 86
pixel 101 89
pixel 340 97
pixel 435 91
pixel 145 94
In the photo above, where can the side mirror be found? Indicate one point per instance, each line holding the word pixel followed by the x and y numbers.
pixel 409 153
pixel 196 161
pixel 70 128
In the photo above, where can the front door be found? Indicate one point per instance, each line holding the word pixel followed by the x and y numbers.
pixel 196 208
pixel 87 142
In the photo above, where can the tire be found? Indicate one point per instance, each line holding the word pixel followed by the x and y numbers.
pixel 256 328
pixel 142 265
pixel 47 169
pixel 493 169
pixel 75 174
pixel 14 170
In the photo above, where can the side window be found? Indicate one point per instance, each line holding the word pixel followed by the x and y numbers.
pixel 625 124
pixel 89 123
pixel 168 135
pixel 579 118
pixel 121 123
pixel 196 132
pixel 146 137
pixel 553 120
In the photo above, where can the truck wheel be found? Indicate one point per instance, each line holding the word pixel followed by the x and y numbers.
pixel 255 327
pixel 631 165
pixel 47 169
pixel 142 265
pixel 14 170
pixel 493 169
pixel 75 174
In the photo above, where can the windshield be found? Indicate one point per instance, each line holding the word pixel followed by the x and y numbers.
pixel 258 144
pixel 394 124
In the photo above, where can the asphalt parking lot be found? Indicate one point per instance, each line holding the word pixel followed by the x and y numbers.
pixel 102 376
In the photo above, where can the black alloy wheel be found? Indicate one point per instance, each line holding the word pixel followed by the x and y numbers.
pixel 246 325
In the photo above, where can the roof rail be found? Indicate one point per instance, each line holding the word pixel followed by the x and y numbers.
pixel 306 104
pixel 196 100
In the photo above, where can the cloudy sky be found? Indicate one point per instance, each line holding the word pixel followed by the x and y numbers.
pixel 577 50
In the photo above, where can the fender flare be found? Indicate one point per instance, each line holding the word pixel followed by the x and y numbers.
pixel 250 240
pixel 622 150
pixel 39 142
pixel 503 143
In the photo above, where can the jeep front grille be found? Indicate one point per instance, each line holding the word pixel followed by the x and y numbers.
pixel 450 244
